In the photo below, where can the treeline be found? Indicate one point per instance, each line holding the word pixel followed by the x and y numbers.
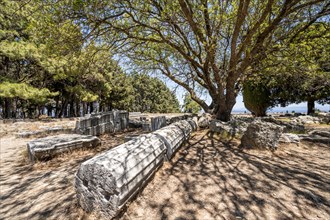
pixel 130 92
pixel 46 67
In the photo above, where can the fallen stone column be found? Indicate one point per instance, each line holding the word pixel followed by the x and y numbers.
pixel 175 134
pixel 48 147
pixel 106 182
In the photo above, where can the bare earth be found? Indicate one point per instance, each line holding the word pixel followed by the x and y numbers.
pixel 207 179
pixel 44 190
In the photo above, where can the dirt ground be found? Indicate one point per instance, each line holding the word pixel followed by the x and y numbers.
pixel 44 190
pixel 207 179
pixel 211 179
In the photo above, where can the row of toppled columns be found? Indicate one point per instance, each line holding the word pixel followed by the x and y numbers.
pixel 106 182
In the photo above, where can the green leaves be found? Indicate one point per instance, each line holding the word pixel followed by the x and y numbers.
pixel 152 95
pixel 298 70
pixel 190 105
pixel 25 92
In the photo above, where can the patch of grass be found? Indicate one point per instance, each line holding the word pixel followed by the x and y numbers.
pixel 225 136
pixel 297 132
pixel 284 119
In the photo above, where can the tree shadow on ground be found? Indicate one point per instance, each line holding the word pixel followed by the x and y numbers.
pixel 214 179
pixel 45 190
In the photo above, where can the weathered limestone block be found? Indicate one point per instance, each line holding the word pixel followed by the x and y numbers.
pixel 262 135
pixel 320 133
pixel 146 126
pixel 315 139
pixel 316 136
pixel 158 122
pixel 173 119
pixel 48 147
pixel 288 126
pixel 204 120
pixel 98 124
pixel 218 126
pixel 232 128
pixel 289 138
pixel 124 118
pixel 135 123
pixel 107 181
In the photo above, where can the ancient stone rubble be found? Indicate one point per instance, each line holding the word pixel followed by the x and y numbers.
pixel 106 182
pixel 289 138
pixel 262 135
pixel 102 123
pixel 158 122
pixel 316 136
pixel 44 148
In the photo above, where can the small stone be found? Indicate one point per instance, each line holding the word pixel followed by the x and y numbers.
pixel 289 138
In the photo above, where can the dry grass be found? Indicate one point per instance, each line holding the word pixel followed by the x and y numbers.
pixel 9 129
pixel 283 119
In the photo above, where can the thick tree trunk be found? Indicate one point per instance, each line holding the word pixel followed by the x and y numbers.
pixel 49 111
pixel 78 109
pixel 223 115
pixel 224 106
pixel 224 111
pixel 63 108
pixel 57 107
pixel 72 109
pixel 310 107
pixel 7 108
pixel 85 109
pixel 91 107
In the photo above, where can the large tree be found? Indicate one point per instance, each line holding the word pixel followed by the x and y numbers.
pixel 299 71
pixel 199 43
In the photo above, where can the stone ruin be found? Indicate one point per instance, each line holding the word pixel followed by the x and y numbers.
pixel 107 122
pixel 86 127
pixel 108 181
pixel 153 123
pixel 44 148
pixel 262 135
pixel 92 125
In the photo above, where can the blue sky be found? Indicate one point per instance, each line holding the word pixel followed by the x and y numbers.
pixel 239 106
pixel 301 107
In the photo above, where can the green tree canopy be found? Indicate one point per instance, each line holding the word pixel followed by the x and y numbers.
pixel 152 95
pixel 212 44
pixel 189 105
pixel 298 72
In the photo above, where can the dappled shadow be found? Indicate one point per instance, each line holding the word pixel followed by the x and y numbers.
pixel 45 190
pixel 214 179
